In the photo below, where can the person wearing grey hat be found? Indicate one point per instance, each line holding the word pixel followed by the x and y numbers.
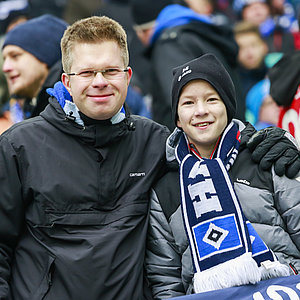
pixel 194 246
pixel 32 63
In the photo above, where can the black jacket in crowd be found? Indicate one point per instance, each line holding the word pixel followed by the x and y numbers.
pixel 285 78
pixel 179 44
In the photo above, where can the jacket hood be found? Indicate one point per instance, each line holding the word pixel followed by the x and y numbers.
pixel 175 15
pixel 181 19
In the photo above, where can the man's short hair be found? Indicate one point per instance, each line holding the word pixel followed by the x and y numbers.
pixel 93 30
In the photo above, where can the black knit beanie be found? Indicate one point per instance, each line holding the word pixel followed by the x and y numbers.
pixel 39 36
pixel 206 67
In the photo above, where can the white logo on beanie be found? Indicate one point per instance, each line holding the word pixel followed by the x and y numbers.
pixel 185 71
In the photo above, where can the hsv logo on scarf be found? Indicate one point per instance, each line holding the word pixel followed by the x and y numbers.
pixel 226 250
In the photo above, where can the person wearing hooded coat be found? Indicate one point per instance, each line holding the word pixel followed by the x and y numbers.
pixel 284 79
pixel 75 186
pixel 38 37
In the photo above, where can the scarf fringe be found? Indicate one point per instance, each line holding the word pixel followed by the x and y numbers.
pixel 238 271
pixel 274 269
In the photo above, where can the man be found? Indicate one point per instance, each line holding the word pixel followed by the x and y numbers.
pixel 251 56
pixel 76 215
pixel 73 217
pixel 32 63
pixel 16 13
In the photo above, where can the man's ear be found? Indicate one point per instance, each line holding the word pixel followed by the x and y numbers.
pixel 129 75
pixel 66 82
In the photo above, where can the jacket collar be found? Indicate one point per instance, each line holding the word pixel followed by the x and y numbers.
pixel 99 135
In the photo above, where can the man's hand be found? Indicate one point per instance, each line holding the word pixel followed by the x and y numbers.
pixel 274 145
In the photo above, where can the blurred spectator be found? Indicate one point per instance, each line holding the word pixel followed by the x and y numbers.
pixel 261 110
pixel 255 11
pixel 208 8
pixel 175 34
pixel 284 14
pixel 11 10
pixel 31 53
pixel 12 13
pixel 285 90
pixel 279 36
pixel 137 103
pixel 252 52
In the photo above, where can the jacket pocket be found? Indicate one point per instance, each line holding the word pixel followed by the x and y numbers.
pixel 46 281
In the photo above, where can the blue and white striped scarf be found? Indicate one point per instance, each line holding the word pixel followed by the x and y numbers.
pixel 226 250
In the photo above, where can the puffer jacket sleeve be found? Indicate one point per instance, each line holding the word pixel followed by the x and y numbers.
pixel 163 261
pixel 287 201
pixel 11 212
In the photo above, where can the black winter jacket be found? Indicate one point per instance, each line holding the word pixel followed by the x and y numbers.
pixel 269 202
pixel 74 206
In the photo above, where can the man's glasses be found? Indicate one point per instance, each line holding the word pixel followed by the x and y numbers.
pixel 109 74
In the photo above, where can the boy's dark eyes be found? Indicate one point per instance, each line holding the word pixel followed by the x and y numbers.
pixel 212 99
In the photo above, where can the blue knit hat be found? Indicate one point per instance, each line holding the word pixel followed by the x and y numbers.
pixel 39 36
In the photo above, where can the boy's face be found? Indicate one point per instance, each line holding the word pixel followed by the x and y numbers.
pixel 252 50
pixel 202 115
